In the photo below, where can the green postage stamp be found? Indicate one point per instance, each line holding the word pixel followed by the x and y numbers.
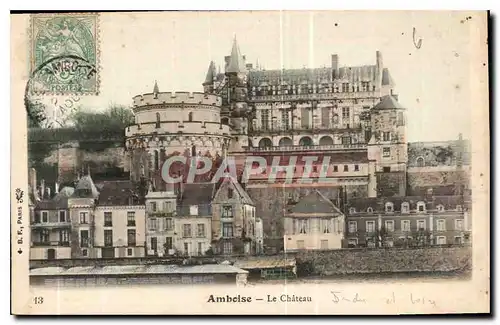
pixel 64 54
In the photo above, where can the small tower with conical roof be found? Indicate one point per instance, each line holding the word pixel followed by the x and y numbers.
pixel 236 75
pixel 156 89
pixel 208 84
pixel 388 147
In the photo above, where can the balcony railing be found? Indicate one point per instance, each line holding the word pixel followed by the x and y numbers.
pixel 52 243
pixel 304 96
pixel 339 147
pixel 38 224
pixel 317 128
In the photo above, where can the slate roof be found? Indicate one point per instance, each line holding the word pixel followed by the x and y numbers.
pixel 388 102
pixel 197 194
pixel 59 201
pixel 236 61
pixel 211 73
pixel 314 203
pixel 378 204
pixel 85 188
pixel 386 78
pixel 245 198
pixel 118 193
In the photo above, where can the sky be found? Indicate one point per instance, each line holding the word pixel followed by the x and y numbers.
pixel 175 48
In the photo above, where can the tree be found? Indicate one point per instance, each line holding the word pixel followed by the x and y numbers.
pixel 35 111
pixel 115 119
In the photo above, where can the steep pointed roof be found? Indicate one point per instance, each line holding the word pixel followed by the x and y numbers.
pixel 315 203
pixel 228 181
pixel 86 188
pixel 236 62
pixel 156 89
pixel 386 77
pixel 211 73
pixel 388 102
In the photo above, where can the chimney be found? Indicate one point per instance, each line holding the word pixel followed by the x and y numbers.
pixel 335 66
pixel 56 188
pixel 42 189
pixel 48 193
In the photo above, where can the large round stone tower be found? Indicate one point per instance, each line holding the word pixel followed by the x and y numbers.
pixel 167 124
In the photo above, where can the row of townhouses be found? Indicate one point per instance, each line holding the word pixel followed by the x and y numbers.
pixel 118 219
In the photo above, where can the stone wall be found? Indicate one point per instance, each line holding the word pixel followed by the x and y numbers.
pixel 390 260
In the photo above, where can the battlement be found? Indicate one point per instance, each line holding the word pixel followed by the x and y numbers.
pixel 196 98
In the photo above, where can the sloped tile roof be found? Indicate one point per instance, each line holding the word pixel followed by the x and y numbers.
pixel 313 203
pixel 388 102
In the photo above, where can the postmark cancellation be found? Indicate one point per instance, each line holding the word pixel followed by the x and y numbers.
pixel 64 54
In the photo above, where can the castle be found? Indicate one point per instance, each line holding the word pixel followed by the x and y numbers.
pixel 349 117
pixel 349 114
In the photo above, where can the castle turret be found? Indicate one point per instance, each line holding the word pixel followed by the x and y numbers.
pixel 208 84
pixel 388 146
pixel 236 74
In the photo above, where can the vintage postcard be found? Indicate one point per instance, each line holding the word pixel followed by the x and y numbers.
pixel 250 162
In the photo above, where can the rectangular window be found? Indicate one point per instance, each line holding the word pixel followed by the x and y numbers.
pixel 365 85
pixel 346 168
pixel 264 115
pixel 131 219
pixel 326 226
pixel 325 117
pixel 152 206
pixel 200 230
pixel 186 248
pixel 131 237
pixel 154 244
pixel 441 225
pixel 229 193
pixel 441 240
pixel 300 244
pixel 169 244
pixel 386 152
pixel 335 169
pixel 303 226
pixel 386 136
pixel 108 219
pixel 345 87
pixel 353 226
pixel 370 226
pixel 352 242
pixel 130 251
pixel 186 231
pixel 346 140
pixel 84 217
pixel 227 211
pixel 420 224
pixel 84 238
pixel 227 229
pixel 64 236
pixel 345 112
pixel 405 225
pixel 227 248
pixel 459 224
pixel 356 168
pixel 389 225
pixel 200 249
pixel 459 240
pixel 285 120
pixel 324 244
pixel 153 224
pixel 44 236
pixel 45 216
pixel 62 216
pixel 169 224
pixel 108 237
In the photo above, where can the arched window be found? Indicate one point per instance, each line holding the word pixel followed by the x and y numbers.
pixel 190 117
pixel 325 141
pixel 369 210
pixel 265 143
pixel 420 162
pixel 225 121
pixel 193 151
pixel 306 141
pixel 440 208
pixel 421 206
pixel 352 210
pixel 335 119
pixel 157 120
pixel 405 207
pixel 389 207
pixel 285 142
pixel 156 160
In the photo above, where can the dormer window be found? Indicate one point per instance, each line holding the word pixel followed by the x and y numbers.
pixel 369 210
pixel 389 207
pixel 352 210
pixel 440 208
pixel 459 208
pixel 421 206
pixel 405 207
